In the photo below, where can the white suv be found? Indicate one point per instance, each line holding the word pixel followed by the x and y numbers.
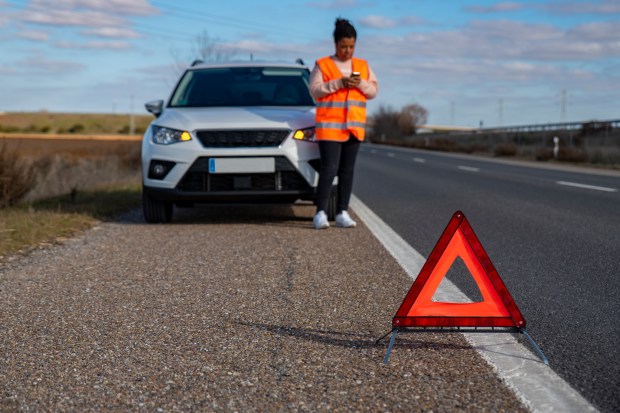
pixel 234 132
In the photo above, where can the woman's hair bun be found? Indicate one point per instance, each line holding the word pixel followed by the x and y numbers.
pixel 344 29
pixel 340 21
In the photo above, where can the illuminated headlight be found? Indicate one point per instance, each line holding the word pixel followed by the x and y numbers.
pixel 304 134
pixel 166 136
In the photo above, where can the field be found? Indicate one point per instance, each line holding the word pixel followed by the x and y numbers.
pixel 72 123
pixel 63 165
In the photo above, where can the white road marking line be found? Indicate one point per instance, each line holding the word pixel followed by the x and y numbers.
pixel 596 188
pixel 419 160
pixel 391 154
pixel 534 383
pixel 468 168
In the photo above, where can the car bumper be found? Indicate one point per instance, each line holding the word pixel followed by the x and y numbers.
pixel 176 195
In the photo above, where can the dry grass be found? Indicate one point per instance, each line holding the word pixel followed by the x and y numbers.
pixel 76 184
pixel 505 149
pixel 589 148
pixel 64 165
pixel 16 176
pixel 29 225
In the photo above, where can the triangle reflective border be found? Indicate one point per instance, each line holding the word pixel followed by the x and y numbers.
pixel 497 308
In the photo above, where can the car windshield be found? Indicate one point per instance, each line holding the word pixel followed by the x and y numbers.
pixel 243 86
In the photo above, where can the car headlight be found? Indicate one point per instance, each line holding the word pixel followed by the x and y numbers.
pixel 305 134
pixel 166 136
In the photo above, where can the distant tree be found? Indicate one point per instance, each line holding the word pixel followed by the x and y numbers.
pixel 411 116
pixel 385 124
pixel 209 49
pixel 206 48
pixel 389 123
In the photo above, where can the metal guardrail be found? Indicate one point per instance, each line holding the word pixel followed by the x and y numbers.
pixel 598 124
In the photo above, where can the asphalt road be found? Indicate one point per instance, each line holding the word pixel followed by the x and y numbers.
pixel 552 234
pixel 226 309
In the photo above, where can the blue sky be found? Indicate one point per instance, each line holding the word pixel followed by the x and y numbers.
pixel 499 62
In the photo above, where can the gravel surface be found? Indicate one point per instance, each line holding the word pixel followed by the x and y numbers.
pixel 226 309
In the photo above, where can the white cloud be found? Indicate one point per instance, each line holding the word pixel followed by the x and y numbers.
pixel 411 21
pixel 40 65
pixel 489 60
pixel 382 22
pixel 113 32
pixel 275 50
pixel 71 18
pixel 378 22
pixel 334 5
pixel 598 31
pixel 113 45
pixel 102 18
pixel 503 39
pixel 253 46
pixel 4 16
pixel 34 35
pixel 604 7
pixel 7 70
pixel 88 13
pixel 496 8
pixel 114 7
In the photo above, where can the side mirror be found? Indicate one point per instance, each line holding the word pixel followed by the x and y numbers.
pixel 155 107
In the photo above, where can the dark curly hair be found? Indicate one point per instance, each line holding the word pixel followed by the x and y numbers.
pixel 344 29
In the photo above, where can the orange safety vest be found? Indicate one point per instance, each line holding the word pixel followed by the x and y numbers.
pixel 343 112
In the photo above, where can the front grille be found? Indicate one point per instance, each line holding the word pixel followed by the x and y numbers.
pixel 285 178
pixel 242 138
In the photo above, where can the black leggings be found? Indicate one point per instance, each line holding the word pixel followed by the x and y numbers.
pixel 337 158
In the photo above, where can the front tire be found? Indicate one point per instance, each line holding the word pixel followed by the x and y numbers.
pixel 154 210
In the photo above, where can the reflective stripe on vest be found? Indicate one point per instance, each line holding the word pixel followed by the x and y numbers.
pixel 342 113
pixel 339 125
pixel 332 104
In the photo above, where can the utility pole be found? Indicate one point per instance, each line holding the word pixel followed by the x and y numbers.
pixel 501 112
pixel 564 104
pixel 131 120
pixel 452 112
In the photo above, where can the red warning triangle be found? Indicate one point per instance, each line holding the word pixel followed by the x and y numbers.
pixel 497 308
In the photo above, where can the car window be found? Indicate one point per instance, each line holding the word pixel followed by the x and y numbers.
pixel 248 86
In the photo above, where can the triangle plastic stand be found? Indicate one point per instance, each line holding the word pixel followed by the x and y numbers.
pixel 497 308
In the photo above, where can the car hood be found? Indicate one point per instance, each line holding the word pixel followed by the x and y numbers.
pixel 191 119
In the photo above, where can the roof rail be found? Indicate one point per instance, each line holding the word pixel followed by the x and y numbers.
pixel 197 62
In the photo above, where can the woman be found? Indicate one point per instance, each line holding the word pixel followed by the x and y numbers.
pixel 340 84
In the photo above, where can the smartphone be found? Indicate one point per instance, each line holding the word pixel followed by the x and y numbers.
pixel 355 74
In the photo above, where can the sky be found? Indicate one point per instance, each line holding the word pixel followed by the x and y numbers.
pixel 469 62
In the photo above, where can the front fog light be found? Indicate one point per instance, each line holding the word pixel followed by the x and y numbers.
pixel 159 169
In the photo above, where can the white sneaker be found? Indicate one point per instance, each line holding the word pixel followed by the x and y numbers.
pixel 320 220
pixel 343 220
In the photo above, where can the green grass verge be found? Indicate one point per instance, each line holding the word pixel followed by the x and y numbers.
pixel 26 226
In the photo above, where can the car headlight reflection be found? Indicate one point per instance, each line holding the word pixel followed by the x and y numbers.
pixel 167 136
pixel 307 134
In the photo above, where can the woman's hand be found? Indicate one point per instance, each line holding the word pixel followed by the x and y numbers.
pixel 350 82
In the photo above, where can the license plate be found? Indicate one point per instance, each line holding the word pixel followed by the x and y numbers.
pixel 241 165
